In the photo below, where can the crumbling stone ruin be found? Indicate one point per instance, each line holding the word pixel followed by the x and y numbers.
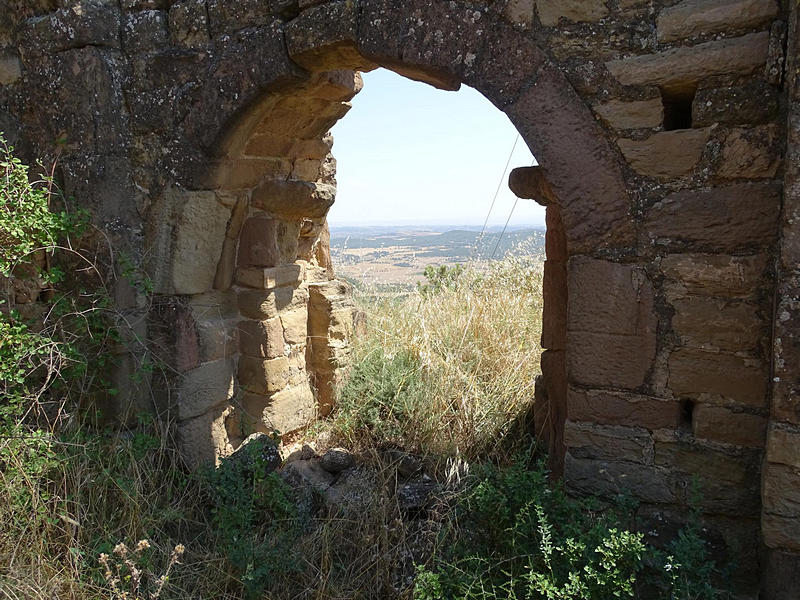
pixel 196 133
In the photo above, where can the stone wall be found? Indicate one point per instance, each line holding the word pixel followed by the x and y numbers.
pixel 196 133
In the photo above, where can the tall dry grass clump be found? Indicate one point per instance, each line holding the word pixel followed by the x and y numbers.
pixel 450 367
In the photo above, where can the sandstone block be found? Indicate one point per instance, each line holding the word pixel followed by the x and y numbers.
pixel 229 16
pixel 531 183
pixel 339 85
pixel 269 278
pixel 204 439
pixel 695 17
pixel 609 297
pixel 294 199
pixel 740 467
pixel 718 376
pixel 631 115
pixel 687 65
pixel 608 442
pixel 205 387
pixel 781 490
pixel 781 532
pixel 520 12
pixel 246 173
pixel 261 339
pixel 666 154
pixel 217 339
pixel 726 218
pixel 258 243
pixel 552 11
pixel 715 274
pixel 263 376
pixel 295 325
pixel 721 424
pixel 611 325
pixel 610 359
pixel 10 67
pixel 750 153
pixel 783 446
pixel 261 305
pixel 288 410
pixel 718 324
pixel 199 234
pixel 608 478
pixel 325 37
pixel 619 408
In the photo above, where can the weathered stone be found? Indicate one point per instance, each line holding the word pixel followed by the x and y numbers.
pixel 188 24
pixel 611 324
pixel 717 324
pixel 666 154
pixel 336 460
pixel 687 65
pixel 263 376
pixel 606 478
pixel 325 37
pixel 631 115
pixel 552 11
pixel 269 278
pixel 781 491
pixel 200 231
pixel 781 532
pixel 261 305
pixel 749 154
pixel 339 85
pixel 295 325
pixel 204 439
pixel 246 173
pixel 783 446
pixel 83 23
pixel 261 339
pixel 718 376
pixel 227 16
pixel 715 274
pixel 10 67
pixel 720 424
pixel 415 495
pixel 205 387
pixel 145 30
pixel 618 408
pixel 285 411
pixel 749 104
pixel 294 199
pixel 694 17
pixel 728 218
pixel 608 442
pixel 531 183
pixel 258 243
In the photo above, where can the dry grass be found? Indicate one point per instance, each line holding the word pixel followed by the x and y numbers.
pixel 450 371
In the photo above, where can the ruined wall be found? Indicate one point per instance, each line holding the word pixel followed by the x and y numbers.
pixel 196 132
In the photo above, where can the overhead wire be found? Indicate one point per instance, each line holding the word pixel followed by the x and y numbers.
pixel 496 194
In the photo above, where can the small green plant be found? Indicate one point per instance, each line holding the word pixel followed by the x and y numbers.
pixel 514 536
pixel 439 278
pixel 256 522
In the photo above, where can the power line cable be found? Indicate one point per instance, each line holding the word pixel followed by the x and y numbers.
pixel 496 194
pixel 502 233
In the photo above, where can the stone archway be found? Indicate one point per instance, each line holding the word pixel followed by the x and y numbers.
pixel 660 128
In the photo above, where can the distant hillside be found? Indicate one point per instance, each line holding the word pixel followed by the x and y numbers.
pixel 450 245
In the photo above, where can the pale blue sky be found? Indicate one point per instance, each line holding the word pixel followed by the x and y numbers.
pixel 411 154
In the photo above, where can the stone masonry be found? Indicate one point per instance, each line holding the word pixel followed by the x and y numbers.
pixel 667 132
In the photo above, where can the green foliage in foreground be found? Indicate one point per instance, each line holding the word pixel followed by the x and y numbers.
pixel 514 536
